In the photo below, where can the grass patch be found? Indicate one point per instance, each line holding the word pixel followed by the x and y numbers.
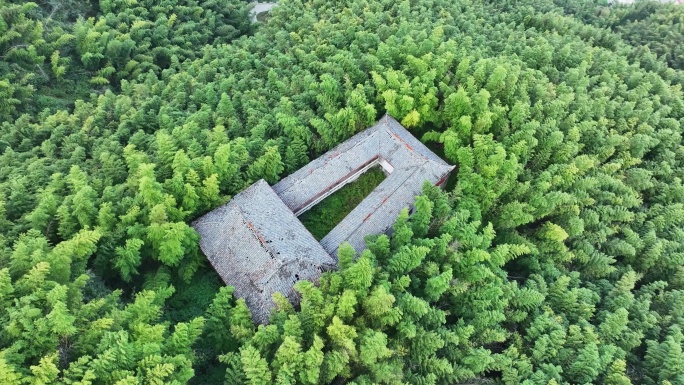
pixel 323 217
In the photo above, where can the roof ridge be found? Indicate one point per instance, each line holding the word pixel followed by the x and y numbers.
pixel 405 136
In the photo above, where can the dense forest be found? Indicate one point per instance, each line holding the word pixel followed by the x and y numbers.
pixel 554 256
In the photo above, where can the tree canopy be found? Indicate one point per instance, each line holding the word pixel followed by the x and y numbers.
pixel 554 256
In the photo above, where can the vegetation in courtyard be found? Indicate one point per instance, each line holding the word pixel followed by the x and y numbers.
pixel 556 258
pixel 323 217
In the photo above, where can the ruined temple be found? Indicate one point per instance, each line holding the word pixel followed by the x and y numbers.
pixel 256 243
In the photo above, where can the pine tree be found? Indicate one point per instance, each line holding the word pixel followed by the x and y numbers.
pixel 616 374
pixel 128 258
pixel 663 360
pixel 268 166
pixel 422 217
pixel 255 367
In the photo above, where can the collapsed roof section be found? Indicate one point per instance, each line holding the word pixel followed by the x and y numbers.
pixel 256 243
pixel 406 161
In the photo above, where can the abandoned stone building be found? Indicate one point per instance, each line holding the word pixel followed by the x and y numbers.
pixel 256 243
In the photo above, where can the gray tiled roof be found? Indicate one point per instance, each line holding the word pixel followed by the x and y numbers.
pixel 412 163
pixel 256 243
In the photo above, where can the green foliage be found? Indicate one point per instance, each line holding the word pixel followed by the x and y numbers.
pixel 323 217
pixel 556 258
pixel 653 28
pixel 55 49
